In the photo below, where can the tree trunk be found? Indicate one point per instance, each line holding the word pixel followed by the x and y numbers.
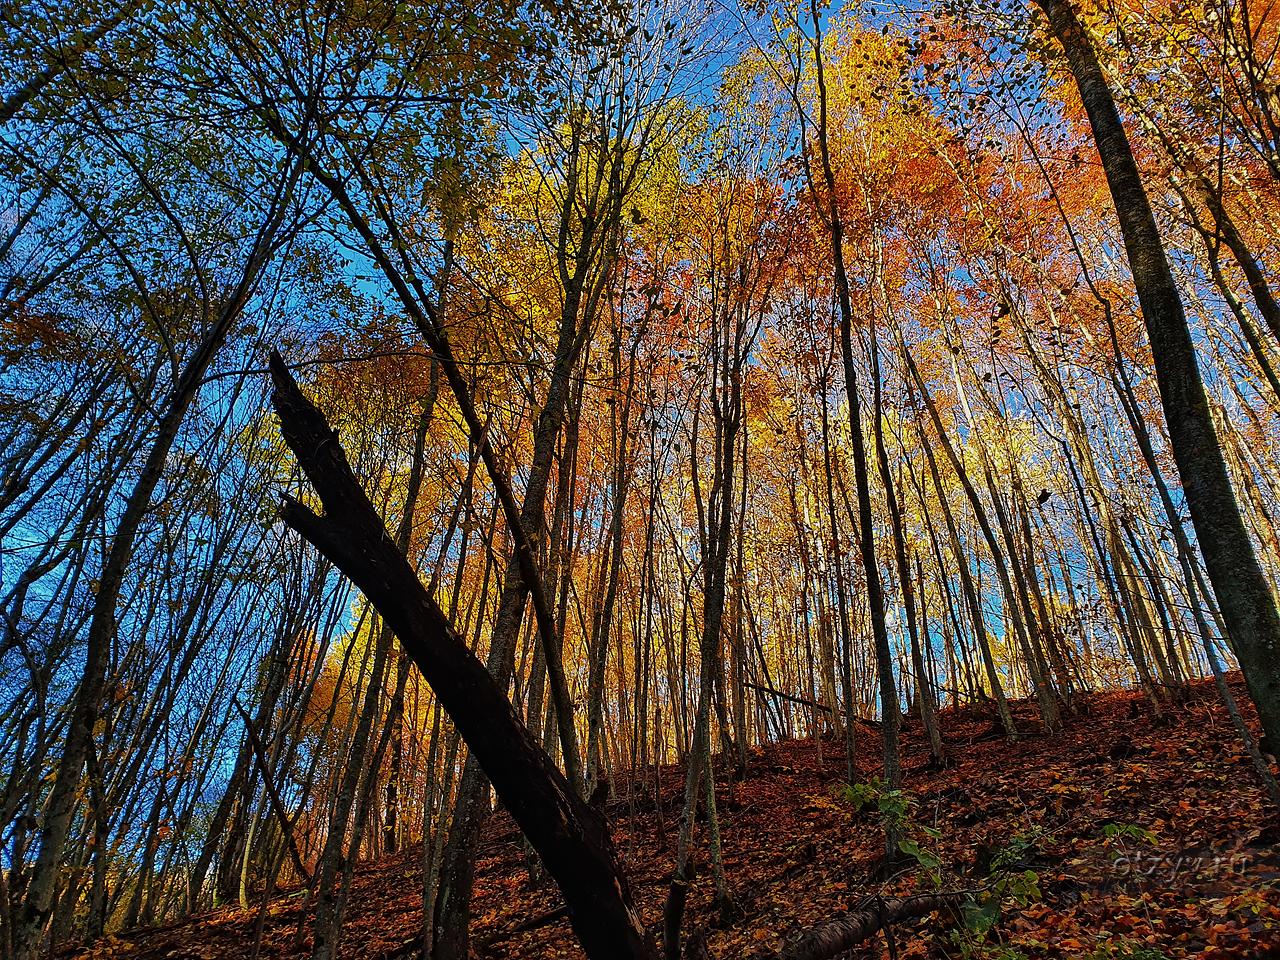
pixel 571 837
pixel 1247 603
pixel 889 710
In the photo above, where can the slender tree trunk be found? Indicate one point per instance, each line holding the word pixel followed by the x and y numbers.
pixel 889 710
pixel 971 592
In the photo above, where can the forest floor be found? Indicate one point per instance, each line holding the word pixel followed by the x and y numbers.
pixel 1128 836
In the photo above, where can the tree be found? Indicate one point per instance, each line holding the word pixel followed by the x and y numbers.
pixel 570 836
pixel 1247 602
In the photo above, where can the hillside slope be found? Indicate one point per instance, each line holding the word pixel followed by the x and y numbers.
pixel 1127 836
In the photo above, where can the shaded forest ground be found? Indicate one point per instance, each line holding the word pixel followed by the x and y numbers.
pixel 1146 838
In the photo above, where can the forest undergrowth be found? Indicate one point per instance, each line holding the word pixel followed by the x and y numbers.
pixel 1131 835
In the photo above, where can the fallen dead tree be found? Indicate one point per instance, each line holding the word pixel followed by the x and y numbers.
pixel 833 938
pixel 865 721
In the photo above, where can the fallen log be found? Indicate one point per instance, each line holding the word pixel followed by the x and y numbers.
pixel 874 724
pixel 833 938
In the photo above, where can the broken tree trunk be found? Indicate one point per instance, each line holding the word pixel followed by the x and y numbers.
pixel 571 837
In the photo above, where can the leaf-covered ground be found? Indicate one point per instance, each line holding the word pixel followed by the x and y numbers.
pixel 1127 836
